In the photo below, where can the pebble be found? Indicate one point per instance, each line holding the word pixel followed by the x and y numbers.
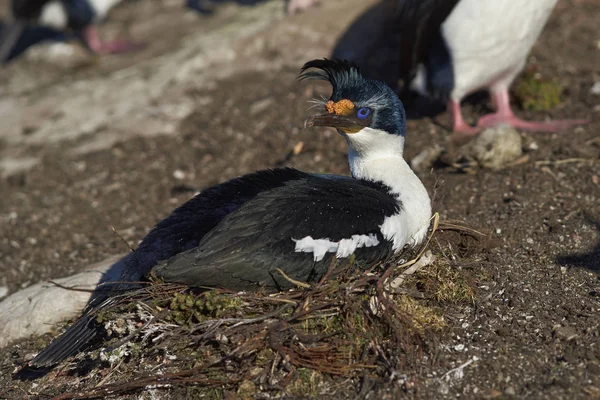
pixel 444 389
pixel 564 332
pixel 3 291
pixel 178 174
pixel 497 147
pixel 595 89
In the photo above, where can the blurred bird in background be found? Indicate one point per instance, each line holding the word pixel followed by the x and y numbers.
pixel 452 48
pixel 78 16
pixel 34 21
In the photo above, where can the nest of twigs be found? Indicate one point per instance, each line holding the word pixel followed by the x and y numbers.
pixel 358 324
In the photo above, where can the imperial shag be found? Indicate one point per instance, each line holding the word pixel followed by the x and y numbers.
pixel 462 46
pixel 237 234
pixel 80 16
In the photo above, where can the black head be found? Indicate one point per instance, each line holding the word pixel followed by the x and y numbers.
pixel 356 102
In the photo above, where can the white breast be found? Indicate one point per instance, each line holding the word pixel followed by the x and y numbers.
pixel 489 41
pixel 54 15
pixel 410 224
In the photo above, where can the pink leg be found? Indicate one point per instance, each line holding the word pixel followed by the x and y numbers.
pixel 505 115
pixel 92 39
pixel 462 132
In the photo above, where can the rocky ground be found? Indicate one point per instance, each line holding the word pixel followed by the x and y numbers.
pixel 89 144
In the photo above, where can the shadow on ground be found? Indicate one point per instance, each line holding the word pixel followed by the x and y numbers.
pixel 590 259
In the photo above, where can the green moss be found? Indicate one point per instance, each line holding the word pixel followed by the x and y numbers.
pixel 187 308
pixel 105 316
pixel 535 93
pixel 306 384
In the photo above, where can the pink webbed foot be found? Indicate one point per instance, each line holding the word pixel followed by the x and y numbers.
pixel 505 115
pixel 98 46
pixel 491 120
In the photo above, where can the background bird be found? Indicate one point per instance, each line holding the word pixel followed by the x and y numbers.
pixel 453 48
pixel 238 234
pixel 79 16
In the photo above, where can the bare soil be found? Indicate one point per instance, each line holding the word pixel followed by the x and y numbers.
pixel 533 329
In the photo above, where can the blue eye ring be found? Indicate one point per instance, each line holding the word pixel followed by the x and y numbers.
pixel 363 112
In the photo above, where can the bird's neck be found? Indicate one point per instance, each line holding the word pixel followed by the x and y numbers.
pixel 389 168
pixel 392 170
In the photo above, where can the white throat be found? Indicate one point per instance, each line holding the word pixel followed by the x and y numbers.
pixel 384 162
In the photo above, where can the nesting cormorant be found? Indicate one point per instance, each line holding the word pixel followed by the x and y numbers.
pixel 462 46
pixel 237 234
pixel 80 16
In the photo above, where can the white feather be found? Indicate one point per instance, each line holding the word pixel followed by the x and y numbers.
pixel 54 15
pixel 378 156
pixel 344 248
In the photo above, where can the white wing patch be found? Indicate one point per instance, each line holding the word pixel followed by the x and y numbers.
pixel 344 248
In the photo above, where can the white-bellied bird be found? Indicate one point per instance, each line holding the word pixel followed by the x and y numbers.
pixel 236 235
pixel 79 16
pixel 457 47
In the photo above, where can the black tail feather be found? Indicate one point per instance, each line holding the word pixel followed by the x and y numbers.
pixel 75 339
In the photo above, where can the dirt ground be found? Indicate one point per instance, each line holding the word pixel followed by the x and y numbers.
pixel 533 330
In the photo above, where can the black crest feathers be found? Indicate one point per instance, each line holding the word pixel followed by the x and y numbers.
pixel 340 73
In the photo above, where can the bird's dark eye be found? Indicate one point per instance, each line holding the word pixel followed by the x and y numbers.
pixel 363 112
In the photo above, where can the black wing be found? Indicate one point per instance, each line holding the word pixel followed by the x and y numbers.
pixel 180 231
pixel 419 24
pixel 248 246
pixel 185 227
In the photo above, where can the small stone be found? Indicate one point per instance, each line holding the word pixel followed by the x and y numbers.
pixel 3 291
pixel 443 389
pixel 221 338
pixel 497 147
pixel 510 391
pixel 459 347
pixel 247 388
pixel 595 89
pixel 426 158
pixel 178 174
pixel 564 333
